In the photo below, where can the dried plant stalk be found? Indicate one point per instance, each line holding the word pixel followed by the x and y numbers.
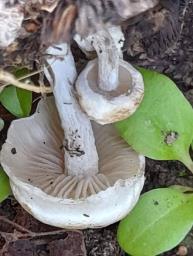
pixel 8 78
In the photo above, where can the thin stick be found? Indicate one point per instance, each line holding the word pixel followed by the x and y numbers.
pixel 21 228
pixel 10 79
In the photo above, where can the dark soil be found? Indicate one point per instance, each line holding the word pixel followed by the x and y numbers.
pixel 22 235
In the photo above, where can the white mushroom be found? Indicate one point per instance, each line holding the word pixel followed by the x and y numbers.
pixel 53 164
pixel 109 88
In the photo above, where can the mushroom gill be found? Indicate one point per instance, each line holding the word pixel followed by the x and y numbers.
pixel 34 154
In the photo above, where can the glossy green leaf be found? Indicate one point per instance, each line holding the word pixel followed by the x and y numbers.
pixel 158 223
pixel 5 189
pixel 17 101
pixel 162 126
pixel 183 189
pixel 1 124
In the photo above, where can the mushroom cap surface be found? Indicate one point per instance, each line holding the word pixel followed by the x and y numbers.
pixel 109 107
pixel 33 159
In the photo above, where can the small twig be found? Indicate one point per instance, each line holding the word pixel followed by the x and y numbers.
pixel 10 79
pixel 21 78
pixel 183 16
pixel 16 226
pixel 49 233
pixel 41 76
pixel 30 74
pixel 31 233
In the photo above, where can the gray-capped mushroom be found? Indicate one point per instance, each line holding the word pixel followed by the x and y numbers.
pixel 64 170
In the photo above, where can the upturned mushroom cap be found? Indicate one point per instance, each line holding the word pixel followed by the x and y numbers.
pixel 110 106
pixel 33 159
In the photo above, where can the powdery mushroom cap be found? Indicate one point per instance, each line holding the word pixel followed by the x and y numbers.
pixel 33 159
pixel 110 106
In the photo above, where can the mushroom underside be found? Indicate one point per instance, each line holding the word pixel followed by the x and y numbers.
pixel 33 159
pixel 34 154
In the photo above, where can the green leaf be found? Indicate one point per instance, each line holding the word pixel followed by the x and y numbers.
pixel 162 126
pixel 17 101
pixel 183 189
pixel 1 124
pixel 5 189
pixel 158 223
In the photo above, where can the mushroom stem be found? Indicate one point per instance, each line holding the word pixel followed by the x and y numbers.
pixel 108 60
pixel 80 152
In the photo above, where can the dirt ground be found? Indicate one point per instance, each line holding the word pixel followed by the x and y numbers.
pixel 22 235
